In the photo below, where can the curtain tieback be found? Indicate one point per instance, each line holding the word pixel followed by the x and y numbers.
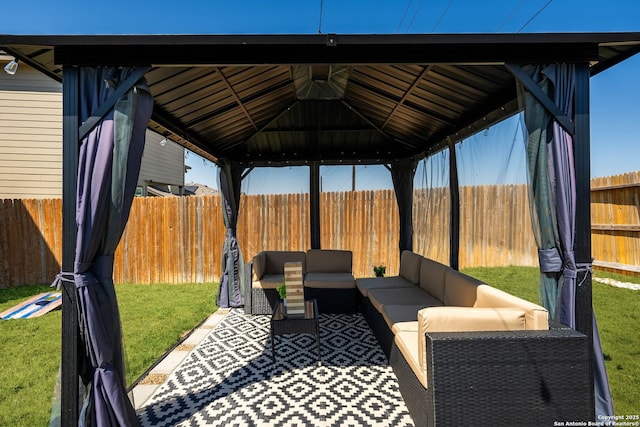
pixel 585 267
pixel 63 276
pixel 550 260
pixel 570 269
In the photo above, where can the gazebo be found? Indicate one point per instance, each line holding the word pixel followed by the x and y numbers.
pixel 247 101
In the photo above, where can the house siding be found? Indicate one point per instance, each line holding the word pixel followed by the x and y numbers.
pixel 162 164
pixel 31 140
pixel 30 135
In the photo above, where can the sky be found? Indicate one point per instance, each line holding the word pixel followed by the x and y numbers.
pixel 615 110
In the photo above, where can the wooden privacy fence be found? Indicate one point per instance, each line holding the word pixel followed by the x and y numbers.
pixel 615 222
pixel 179 239
pixel 30 241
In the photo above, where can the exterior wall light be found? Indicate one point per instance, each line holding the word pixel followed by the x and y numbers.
pixel 11 67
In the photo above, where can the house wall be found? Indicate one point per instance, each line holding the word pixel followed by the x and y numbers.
pixel 30 135
pixel 31 140
pixel 162 164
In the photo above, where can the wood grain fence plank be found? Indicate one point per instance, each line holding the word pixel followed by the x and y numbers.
pixel 178 240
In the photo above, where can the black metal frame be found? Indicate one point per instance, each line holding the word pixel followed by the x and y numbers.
pixel 314 204
pixel 278 49
pixel 582 239
pixel 454 212
pixel 70 325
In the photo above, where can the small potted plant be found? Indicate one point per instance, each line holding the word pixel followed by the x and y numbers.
pixel 379 270
pixel 282 291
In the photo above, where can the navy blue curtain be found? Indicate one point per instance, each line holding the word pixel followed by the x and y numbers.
pixel 109 164
pixel 231 290
pixel 551 167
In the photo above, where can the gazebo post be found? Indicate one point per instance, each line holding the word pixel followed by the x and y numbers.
pixel 454 212
pixel 402 174
pixel 70 326
pixel 584 304
pixel 314 204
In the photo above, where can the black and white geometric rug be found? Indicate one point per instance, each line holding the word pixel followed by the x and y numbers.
pixel 230 380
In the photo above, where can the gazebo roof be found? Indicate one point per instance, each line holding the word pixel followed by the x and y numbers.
pixel 290 99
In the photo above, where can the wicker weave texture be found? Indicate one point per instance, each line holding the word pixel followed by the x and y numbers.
pixel 263 301
pixel 413 393
pixel 332 301
pixel 378 326
pixel 508 378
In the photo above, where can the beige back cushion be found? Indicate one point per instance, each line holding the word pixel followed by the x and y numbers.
pixel 329 261
pixel 275 260
pixel 459 289
pixel 432 277
pixel 466 319
pixel 537 317
pixel 410 266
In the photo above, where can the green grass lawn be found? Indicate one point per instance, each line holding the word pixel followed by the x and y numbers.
pixel 618 315
pixel 154 318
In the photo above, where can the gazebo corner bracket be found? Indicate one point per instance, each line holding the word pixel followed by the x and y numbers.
pixel 542 98
pixel 122 89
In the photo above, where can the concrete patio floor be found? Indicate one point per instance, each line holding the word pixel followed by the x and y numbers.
pixel 159 373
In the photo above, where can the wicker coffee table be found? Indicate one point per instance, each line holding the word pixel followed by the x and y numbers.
pixel 307 323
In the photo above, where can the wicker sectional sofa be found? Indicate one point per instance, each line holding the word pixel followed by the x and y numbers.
pixel 466 353
pixel 328 278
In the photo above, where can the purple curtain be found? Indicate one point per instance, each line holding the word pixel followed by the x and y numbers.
pixel 562 175
pixel 552 184
pixel 109 164
pixel 231 290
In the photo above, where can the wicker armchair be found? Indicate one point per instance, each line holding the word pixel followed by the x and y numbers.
pixel 515 378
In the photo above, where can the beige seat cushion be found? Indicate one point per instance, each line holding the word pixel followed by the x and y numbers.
pixel 329 280
pixel 459 289
pixel 401 317
pixel 407 342
pixel 329 261
pixel 411 326
pixel 366 284
pixel 401 296
pixel 432 277
pixel 410 266
pixel 269 281
pixel 537 317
